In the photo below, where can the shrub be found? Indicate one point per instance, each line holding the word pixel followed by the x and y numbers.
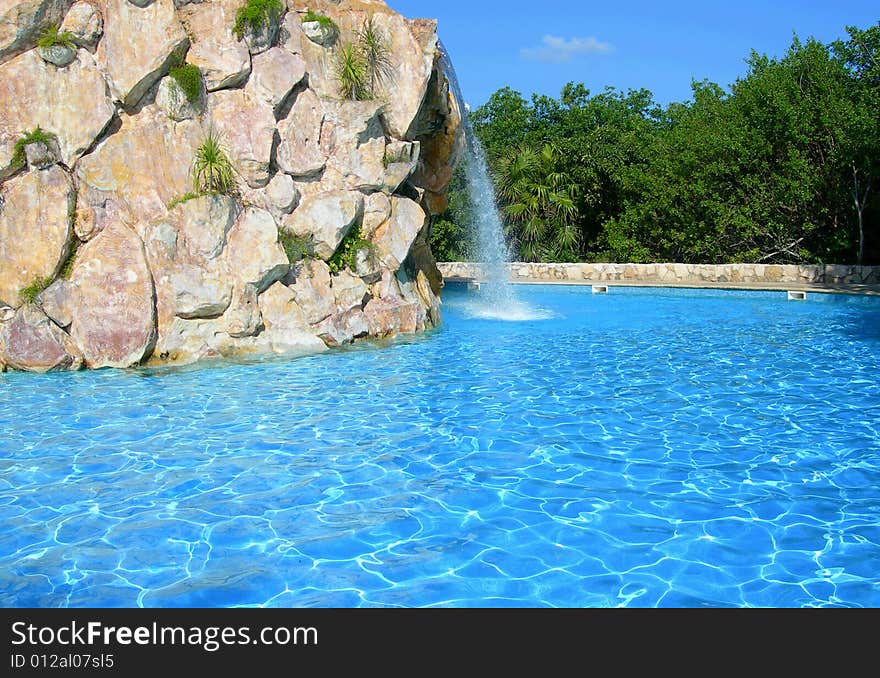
pixel 351 72
pixel 35 136
pixel 346 254
pixel 295 247
pixel 376 53
pixel 212 170
pixel 31 292
pixel 52 37
pixel 189 79
pixel 256 15
pixel 326 22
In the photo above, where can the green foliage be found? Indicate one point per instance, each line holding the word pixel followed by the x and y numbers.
pixel 295 247
pixel 31 292
pixel 782 167
pixel 352 72
pixel 345 254
pixel 326 22
pixel 364 65
pixel 376 53
pixel 36 136
pixel 255 16
pixel 52 37
pixel 179 200
pixel 67 267
pixel 212 170
pixel 189 79
pixel 451 237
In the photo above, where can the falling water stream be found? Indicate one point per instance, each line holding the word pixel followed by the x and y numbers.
pixel 497 298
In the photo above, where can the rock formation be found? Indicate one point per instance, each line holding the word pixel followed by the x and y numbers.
pixel 113 254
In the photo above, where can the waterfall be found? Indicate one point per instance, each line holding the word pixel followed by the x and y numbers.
pixel 497 298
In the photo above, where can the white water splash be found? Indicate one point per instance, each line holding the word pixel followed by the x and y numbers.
pixel 496 298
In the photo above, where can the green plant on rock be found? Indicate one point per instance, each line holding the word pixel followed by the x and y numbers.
pixel 212 170
pixel 29 294
pixel 376 54
pixel 52 37
pixel 346 254
pixel 295 247
pixel 67 266
pixel 188 78
pixel 255 16
pixel 325 21
pixel 352 72
pixel 179 200
pixel 36 136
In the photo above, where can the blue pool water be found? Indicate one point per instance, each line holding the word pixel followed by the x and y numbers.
pixel 645 448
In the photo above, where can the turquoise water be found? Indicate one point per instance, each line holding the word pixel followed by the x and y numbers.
pixel 644 448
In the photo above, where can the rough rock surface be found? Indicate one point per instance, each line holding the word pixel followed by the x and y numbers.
pixel 224 61
pixel 34 229
pixel 139 45
pixel 85 23
pixel 31 342
pixel 163 270
pixel 114 317
pixel 326 218
pixel 21 23
pixel 300 153
pixel 70 103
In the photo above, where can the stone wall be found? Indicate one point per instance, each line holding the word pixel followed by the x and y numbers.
pixel 677 273
pixel 110 256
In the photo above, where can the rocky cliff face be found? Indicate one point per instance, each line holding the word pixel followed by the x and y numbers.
pixel 111 255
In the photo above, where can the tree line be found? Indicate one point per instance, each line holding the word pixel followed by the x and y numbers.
pixel 784 167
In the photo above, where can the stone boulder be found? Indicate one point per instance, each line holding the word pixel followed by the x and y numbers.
pixel 139 46
pixel 114 321
pixel 275 73
pixel 70 103
pixel 401 160
pixel 35 229
pixel 253 254
pixel 30 341
pixel 203 225
pixel 354 142
pixel 59 56
pixel 243 319
pixel 349 291
pixel 300 152
pixel 23 21
pixel 177 106
pixel 141 169
pixel 343 328
pixel 224 61
pixel 412 50
pixel 57 302
pixel 286 329
pixel 246 127
pixel 197 295
pixel 85 23
pixel 395 237
pixel 311 290
pixel 325 218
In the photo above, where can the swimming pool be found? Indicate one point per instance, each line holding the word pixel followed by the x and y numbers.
pixel 649 447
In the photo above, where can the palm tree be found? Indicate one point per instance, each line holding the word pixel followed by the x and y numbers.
pixel 540 203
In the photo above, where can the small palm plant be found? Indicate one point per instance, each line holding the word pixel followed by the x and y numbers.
pixel 352 72
pixel 212 170
pixel 376 54
pixel 540 203
pixel 52 37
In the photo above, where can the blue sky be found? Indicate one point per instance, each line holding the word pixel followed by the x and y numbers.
pixel 539 46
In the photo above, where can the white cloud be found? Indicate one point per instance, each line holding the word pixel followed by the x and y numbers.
pixel 561 50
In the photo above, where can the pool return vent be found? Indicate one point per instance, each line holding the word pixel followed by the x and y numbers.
pixel 600 289
pixel 474 285
pixel 797 295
